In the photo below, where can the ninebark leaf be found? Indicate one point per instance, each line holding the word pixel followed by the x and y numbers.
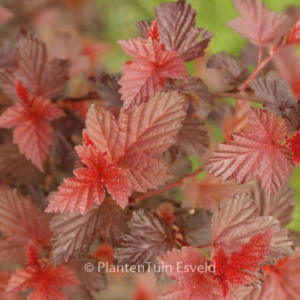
pixel 258 24
pixel 237 221
pixel 74 233
pixel 241 158
pixel 147 74
pixel 176 24
pixel 139 133
pixel 149 236
pixel 279 97
pixel 280 206
pixel 233 71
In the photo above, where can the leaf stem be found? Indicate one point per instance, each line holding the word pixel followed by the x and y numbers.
pixel 168 187
pixel 277 49
pixel 239 96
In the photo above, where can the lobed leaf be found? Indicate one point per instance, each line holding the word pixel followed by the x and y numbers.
pixel 176 24
pixel 139 134
pixel 233 71
pixel 237 221
pixel 148 237
pixel 280 206
pixel 241 158
pixel 147 74
pixel 277 94
pixel 40 77
pixel 258 24
pixel 74 233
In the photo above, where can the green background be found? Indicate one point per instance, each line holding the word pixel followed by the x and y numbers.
pixel 119 18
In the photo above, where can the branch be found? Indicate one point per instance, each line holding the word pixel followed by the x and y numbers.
pixel 89 97
pixel 168 187
pixel 277 49
pixel 239 96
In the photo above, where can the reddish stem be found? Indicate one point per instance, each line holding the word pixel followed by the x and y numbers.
pixel 238 96
pixel 204 246
pixel 277 49
pixel 169 186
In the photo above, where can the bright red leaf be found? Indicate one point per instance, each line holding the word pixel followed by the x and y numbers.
pixel 139 133
pixel 46 280
pixel 240 267
pixel 258 24
pixel 147 74
pixel 87 188
pixel 294 36
pixel 255 152
pixel 30 117
pixel 294 143
pixel 193 284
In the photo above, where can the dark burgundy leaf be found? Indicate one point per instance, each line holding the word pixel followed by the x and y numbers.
pixel 15 166
pixel 6 54
pixel 277 94
pixel 94 281
pixel 40 77
pixel 149 237
pixel 293 118
pixel 176 24
pixel 198 228
pixel 196 91
pixel 280 206
pixel 193 137
pixel 108 89
pixel 64 129
pixel 7 84
pixel 144 27
pixel 233 71
pixel 74 233
pixel 217 114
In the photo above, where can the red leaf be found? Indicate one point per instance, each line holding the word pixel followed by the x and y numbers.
pixel 45 280
pixel 294 143
pixel 176 24
pixel 153 32
pixel 294 36
pixel 258 24
pixel 84 190
pixel 240 267
pixel 32 133
pixel 192 284
pixel 241 159
pixel 147 74
pixel 139 133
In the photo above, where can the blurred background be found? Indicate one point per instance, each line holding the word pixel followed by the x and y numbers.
pixel 99 24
